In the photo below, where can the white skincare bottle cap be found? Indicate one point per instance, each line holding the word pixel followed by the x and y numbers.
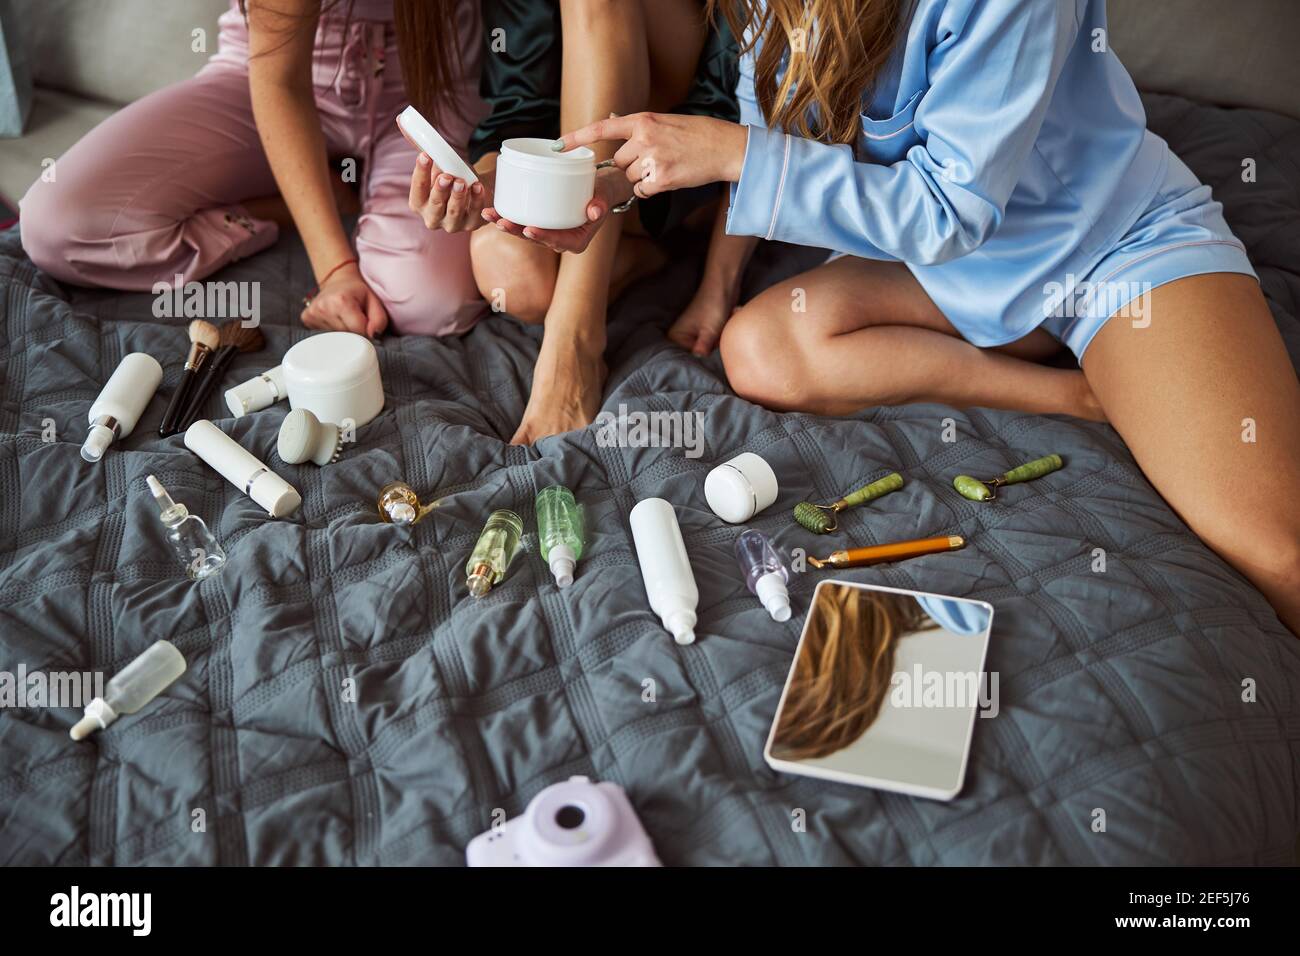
pixel 120 403
pixel 740 488
pixel 242 469
pixel 562 562
pixel 257 393
pixel 771 590
pixel 665 567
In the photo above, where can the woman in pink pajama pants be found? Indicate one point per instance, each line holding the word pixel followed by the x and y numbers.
pixel 198 174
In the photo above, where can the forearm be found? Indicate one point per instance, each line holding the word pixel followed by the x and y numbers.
pixel 724 266
pixel 290 131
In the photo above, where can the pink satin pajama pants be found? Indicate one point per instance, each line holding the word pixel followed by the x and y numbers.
pixel 155 190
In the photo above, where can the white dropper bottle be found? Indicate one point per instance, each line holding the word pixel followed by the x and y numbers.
pixel 132 687
pixel 665 567
pixel 121 402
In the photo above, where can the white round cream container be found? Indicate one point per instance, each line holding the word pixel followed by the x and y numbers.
pixel 536 186
pixel 335 376
pixel 740 488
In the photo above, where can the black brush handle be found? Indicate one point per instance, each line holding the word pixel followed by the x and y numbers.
pixel 217 366
pixel 177 403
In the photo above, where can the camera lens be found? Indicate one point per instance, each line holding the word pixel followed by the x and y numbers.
pixel 570 817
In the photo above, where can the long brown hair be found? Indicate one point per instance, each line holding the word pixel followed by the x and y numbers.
pixel 844 668
pixel 836 49
pixel 429 47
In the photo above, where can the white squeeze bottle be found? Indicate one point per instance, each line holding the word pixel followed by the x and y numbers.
pixel 132 687
pixel 665 568
pixel 121 402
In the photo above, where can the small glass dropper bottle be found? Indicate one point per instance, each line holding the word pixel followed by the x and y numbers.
pixel 496 548
pixel 765 575
pixel 197 549
pixel 399 504
pixel 559 532
pixel 132 687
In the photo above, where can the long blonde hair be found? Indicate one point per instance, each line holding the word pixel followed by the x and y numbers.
pixel 836 49
pixel 843 670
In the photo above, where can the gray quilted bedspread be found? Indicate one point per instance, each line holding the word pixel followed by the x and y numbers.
pixel 1120 691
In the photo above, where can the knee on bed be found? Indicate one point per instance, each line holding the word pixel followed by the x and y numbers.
pixel 512 275
pixel 764 364
pixel 57 217
pixel 424 297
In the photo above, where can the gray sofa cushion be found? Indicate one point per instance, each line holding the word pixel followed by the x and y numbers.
pixel 1237 53
pixel 119 50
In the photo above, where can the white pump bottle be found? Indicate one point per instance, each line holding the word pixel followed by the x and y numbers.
pixel 121 402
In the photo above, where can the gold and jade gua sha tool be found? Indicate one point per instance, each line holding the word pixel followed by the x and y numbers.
pixel 986 490
pixel 823 519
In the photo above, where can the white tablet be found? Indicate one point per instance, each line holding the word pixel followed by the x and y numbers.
pixel 884 690
pixel 434 146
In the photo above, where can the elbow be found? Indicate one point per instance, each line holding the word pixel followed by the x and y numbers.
pixel 959 236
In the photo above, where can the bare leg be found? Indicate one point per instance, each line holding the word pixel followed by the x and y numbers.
pixel 869 335
pixel 518 276
pixel 1208 402
pixel 619 57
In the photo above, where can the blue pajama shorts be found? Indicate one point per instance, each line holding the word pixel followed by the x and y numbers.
pixel 1181 234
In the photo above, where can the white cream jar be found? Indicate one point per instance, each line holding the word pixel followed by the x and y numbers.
pixel 536 186
pixel 335 376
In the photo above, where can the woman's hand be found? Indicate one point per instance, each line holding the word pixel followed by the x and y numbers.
pixel 346 304
pixel 666 151
pixel 611 189
pixel 447 202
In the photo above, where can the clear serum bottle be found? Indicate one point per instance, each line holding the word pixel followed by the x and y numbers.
pixel 559 532
pixel 189 537
pixel 496 548
pixel 765 574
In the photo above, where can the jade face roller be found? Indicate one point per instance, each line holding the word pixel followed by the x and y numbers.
pixel 977 490
pixel 822 519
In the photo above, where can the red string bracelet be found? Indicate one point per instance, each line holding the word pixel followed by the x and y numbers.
pixel 306 300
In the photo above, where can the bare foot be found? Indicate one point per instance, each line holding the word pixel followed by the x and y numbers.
pixel 567 383
pixel 699 327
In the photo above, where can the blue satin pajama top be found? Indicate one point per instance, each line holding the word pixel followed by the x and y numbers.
pixel 1004 148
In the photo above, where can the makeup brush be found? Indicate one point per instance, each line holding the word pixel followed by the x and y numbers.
pixel 235 338
pixel 204 339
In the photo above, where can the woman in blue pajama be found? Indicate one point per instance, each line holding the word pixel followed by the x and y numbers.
pixel 983 173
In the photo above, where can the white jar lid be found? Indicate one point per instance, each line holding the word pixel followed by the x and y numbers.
pixel 330 362
pixel 740 488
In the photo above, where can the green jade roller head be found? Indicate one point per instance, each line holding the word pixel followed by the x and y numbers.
pixel 977 490
pixel 823 519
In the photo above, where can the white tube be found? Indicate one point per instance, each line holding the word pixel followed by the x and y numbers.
pixel 121 402
pixel 242 469
pixel 257 393
pixel 665 567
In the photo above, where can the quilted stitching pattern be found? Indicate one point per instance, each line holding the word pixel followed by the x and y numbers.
pixel 1119 691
